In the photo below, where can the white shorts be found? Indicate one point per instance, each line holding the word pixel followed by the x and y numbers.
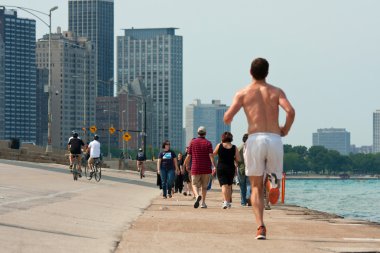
pixel 263 153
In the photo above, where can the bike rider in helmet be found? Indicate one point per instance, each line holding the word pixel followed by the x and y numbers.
pixel 74 146
pixel 94 150
pixel 140 158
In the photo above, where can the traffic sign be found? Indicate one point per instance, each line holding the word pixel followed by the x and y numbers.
pixel 93 129
pixel 126 136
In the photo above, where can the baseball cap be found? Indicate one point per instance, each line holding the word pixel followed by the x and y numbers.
pixel 201 130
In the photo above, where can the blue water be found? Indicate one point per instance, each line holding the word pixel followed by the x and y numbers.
pixel 353 198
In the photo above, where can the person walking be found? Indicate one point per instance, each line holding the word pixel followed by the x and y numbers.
pixel 178 181
pixel 264 149
pixel 228 156
pixel 187 175
pixel 245 188
pixel 167 165
pixel 201 156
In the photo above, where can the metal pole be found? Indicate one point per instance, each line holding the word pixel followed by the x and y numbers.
pixel 123 126
pixel 84 95
pixel 109 134
pixel 144 137
pixel 48 146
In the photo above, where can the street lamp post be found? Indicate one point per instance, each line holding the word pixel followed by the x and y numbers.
pixel 30 11
pixel 49 148
pixel 109 134
pixel 123 127
pixel 84 75
pixel 144 137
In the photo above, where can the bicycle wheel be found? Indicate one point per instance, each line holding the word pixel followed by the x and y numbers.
pixel 98 172
pixel 75 172
pixel 87 172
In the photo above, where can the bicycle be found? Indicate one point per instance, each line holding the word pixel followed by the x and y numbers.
pixel 76 172
pixel 141 169
pixel 96 171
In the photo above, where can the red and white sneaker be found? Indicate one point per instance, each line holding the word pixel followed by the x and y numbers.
pixel 261 233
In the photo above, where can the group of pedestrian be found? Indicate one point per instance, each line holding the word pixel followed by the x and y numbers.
pixel 261 153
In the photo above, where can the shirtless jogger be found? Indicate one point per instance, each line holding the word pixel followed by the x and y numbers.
pixel 264 149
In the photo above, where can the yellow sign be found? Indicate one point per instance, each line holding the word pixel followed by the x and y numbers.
pixel 126 136
pixel 93 129
pixel 112 130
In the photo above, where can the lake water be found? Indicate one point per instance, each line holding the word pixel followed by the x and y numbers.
pixel 353 198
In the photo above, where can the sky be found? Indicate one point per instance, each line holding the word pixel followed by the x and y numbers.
pixel 324 54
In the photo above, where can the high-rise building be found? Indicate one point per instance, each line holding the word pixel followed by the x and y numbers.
pixel 155 56
pixel 42 106
pixel 73 84
pixel 376 131
pixel 94 19
pixel 17 77
pixel 333 138
pixel 209 116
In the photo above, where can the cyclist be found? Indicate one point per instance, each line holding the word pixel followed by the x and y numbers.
pixel 94 150
pixel 140 161
pixel 75 145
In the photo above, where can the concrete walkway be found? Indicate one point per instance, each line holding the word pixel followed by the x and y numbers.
pixel 173 225
pixel 43 210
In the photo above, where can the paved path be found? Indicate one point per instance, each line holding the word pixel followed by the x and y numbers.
pixel 43 210
pixel 173 225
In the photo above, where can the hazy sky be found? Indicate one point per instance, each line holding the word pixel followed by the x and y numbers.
pixel 324 54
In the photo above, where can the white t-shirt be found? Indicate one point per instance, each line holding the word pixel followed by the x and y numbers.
pixel 94 149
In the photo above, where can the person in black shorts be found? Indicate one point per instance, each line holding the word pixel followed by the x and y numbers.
pixel 75 145
pixel 228 157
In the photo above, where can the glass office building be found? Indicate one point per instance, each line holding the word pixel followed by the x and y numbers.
pixel 17 77
pixel 209 116
pixel 94 19
pixel 376 131
pixel 333 138
pixel 155 56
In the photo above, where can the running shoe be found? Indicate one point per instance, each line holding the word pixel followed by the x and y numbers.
pixel 196 203
pixel 261 233
pixel 203 205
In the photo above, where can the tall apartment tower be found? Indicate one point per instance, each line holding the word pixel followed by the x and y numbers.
pixel 155 56
pixel 17 77
pixel 209 116
pixel 73 84
pixel 333 138
pixel 376 131
pixel 94 19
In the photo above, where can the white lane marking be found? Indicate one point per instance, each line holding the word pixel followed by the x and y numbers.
pixel 363 239
pixel 52 195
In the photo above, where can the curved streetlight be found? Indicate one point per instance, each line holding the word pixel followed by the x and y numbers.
pixel 30 11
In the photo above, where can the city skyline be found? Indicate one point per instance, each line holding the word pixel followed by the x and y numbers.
pixel 323 54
